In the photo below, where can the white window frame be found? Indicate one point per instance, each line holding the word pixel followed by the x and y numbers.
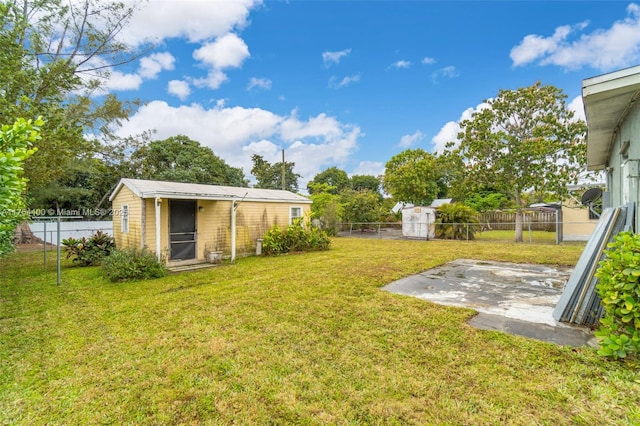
pixel 124 217
pixel 291 216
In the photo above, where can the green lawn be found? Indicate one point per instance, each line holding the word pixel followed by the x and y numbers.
pixel 298 339
pixel 538 237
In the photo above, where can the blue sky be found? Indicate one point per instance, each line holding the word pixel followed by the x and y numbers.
pixel 352 83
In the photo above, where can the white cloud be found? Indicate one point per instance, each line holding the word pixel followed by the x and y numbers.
pixel 236 133
pixel 400 64
pixel 213 80
pixel 179 88
pixel 227 51
pixel 193 19
pixel 120 81
pixel 261 83
pixel 371 168
pixel 449 132
pixel 329 58
pixel 408 140
pixel 577 106
pixel 262 147
pixel 603 49
pixel 446 72
pixel 152 65
pixel 428 61
pixel 346 81
pixel 292 128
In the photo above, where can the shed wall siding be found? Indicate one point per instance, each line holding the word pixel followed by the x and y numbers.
pixel 213 224
pixel 133 238
pixel 253 220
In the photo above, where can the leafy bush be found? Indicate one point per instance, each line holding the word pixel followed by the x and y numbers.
pixel 456 221
pixel 133 264
pixel 15 147
pixel 619 288
pixel 295 237
pixel 89 252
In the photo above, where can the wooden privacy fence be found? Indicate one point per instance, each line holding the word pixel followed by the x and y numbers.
pixel 506 221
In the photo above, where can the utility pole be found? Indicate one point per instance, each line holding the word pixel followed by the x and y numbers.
pixel 284 168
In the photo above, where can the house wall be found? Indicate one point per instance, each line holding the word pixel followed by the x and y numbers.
pixel 623 174
pixel 133 238
pixel 576 225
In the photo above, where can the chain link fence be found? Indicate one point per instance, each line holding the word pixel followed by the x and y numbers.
pixel 538 233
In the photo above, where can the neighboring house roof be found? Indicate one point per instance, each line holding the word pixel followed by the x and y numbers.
pixel 434 204
pixel 440 201
pixel 178 190
pixel 607 101
pixel 400 205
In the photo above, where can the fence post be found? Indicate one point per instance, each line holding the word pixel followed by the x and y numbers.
pixel 58 230
pixel 378 229
pixel 467 231
pixel 44 237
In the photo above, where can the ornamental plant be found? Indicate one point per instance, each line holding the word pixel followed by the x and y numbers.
pixel 89 251
pixel 456 221
pixel 619 288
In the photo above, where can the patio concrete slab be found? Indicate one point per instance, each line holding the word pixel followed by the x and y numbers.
pixel 512 298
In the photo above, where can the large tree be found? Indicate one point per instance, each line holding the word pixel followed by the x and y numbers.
pixel 362 182
pixel 56 55
pixel 270 176
pixel 326 207
pixel 524 140
pixel 181 159
pixel 413 176
pixel 361 206
pixel 334 177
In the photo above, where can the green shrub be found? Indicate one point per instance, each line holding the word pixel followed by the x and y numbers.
pixel 456 221
pixel 89 252
pixel 133 264
pixel 619 288
pixel 295 238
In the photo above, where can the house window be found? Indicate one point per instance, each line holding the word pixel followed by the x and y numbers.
pixel 125 218
pixel 294 213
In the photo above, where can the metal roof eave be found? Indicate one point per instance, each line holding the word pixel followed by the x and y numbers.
pixel 153 189
pixel 209 197
pixel 607 101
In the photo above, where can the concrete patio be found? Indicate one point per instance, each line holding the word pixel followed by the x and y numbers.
pixel 512 298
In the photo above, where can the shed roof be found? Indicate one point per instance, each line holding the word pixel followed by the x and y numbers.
pixel 607 101
pixel 196 191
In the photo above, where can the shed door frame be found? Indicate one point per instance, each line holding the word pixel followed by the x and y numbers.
pixel 183 231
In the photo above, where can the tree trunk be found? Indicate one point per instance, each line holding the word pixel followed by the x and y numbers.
pixel 519 223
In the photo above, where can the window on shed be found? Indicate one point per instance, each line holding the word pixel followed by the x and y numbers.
pixel 294 213
pixel 125 218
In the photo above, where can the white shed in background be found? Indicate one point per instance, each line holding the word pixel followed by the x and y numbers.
pixel 418 222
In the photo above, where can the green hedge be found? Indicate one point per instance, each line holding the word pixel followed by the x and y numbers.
pixel 619 288
pixel 295 237
pixel 133 264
